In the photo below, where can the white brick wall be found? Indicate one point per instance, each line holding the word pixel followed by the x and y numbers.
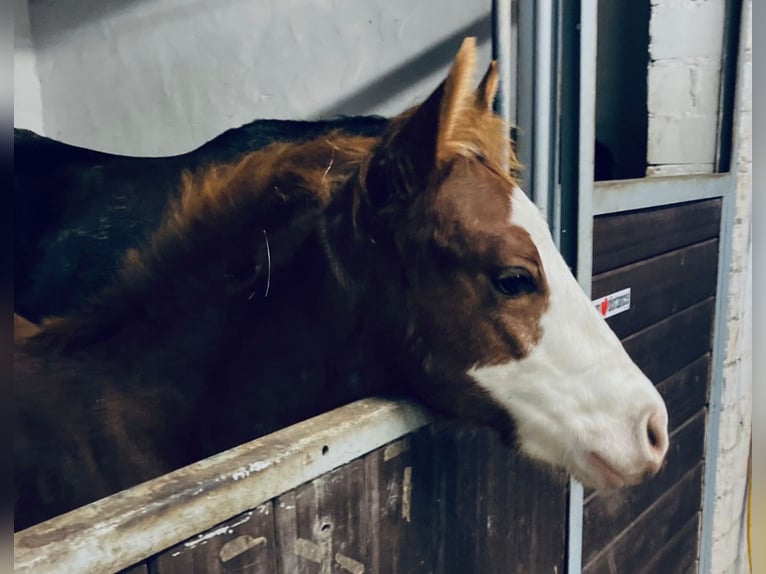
pixel 686 42
pixel 729 552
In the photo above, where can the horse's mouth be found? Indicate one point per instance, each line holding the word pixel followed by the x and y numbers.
pixel 607 475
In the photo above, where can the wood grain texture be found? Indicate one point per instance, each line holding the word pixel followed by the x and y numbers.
pixel 607 513
pixel 246 543
pixel 403 502
pixel 649 534
pixel 159 513
pixel 323 526
pixel 661 286
pixel 680 554
pixel 624 238
pixel 686 392
pixel 666 347
pixel 502 514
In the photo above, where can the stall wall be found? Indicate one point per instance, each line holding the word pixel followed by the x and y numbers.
pixel 162 77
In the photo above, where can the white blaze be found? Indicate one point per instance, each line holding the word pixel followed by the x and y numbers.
pixel 577 392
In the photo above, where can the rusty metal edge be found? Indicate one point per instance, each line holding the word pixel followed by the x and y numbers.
pixel 123 529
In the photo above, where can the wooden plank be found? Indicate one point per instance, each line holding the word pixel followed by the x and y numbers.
pixel 524 515
pixel 404 514
pixel 245 543
pixel 627 237
pixel 649 534
pixel 686 392
pixel 666 347
pixel 661 286
pixel 162 512
pixel 503 514
pixel 608 512
pixel 322 526
pixel 680 554
pixel 463 473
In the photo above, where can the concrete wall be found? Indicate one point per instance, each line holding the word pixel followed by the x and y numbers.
pixel 729 552
pixel 27 95
pixel 684 80
pixel 160 77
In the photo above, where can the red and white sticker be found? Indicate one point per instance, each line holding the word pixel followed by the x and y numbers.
pixel 613 304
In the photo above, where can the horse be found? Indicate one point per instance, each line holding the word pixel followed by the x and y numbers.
pixel 308 274
pixel 77 216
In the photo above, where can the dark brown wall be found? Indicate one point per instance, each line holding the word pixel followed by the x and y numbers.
pixel 668 257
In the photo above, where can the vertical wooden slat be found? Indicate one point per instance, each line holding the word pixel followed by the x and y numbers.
pixel 402 500
pixel 503 515
pixel 322 526
pixel 463 476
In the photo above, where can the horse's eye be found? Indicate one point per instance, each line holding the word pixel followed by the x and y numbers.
pixel 515 282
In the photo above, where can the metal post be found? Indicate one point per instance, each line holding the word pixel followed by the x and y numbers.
pixel 544 101
pixel 586 137
pixel 502 53
pixel 587 140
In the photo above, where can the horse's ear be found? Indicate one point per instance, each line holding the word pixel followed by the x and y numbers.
pixel 485 93
pixel 23 328
pixel 456 99
pixel 424 136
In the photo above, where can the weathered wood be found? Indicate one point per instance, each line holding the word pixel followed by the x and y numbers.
pixel 524 515
pixel 157 514
pixel 686 391
pixel 502 514
pixel 244 544
pixel 624 238
pixel 651 532
pixel 462 463
pixel 666 347
pixel 607 513
pixel 403 505
pixel 322 526
pixel 661 286
pixel 680 554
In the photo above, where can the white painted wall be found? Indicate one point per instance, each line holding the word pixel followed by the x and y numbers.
pixel 160 77
pixel 683 84
pixel 729 552
pixel 27 95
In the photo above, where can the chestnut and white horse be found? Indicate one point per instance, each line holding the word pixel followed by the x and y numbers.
pixel 309 274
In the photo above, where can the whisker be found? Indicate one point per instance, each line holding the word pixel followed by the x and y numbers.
pixel 268 259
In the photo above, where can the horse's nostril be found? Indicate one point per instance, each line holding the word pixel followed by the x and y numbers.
pixel 656 436
pixel 652 436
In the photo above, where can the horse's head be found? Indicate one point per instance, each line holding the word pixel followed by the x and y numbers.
pixel 496 327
